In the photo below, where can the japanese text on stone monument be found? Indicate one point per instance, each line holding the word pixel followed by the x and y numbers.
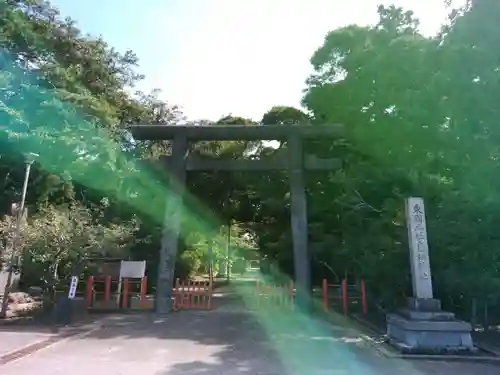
pixel 419 250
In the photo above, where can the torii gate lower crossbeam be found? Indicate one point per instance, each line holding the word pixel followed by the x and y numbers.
pixel 180 162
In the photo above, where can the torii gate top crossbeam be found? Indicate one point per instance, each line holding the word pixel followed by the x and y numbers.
pixel 233 132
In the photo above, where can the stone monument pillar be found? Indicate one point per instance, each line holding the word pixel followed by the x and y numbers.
pixel 422 327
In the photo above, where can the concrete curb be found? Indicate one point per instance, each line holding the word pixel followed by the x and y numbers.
pixel 57 338
pixel 387 351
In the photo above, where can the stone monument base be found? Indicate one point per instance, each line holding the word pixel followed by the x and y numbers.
pixel 423 328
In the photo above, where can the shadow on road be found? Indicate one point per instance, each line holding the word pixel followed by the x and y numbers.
pixel 266 342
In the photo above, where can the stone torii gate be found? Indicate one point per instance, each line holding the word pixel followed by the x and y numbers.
pixel 180 162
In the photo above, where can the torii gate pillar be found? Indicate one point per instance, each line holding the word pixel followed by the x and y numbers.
pixel 171 227
pixel 298 208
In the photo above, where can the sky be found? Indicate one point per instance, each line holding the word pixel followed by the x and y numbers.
pixel 220 57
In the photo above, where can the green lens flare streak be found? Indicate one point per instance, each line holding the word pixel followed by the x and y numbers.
pixel 34 119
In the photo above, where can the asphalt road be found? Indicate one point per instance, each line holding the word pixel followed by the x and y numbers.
pixel 230 340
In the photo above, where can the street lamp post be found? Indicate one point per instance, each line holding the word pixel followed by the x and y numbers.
pixel 29 158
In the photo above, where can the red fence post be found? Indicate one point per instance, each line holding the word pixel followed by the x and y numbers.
pixel 90 290
pixel 190 290
pixel 176 293
pixel 345 301
pixel 107 289
pixel 325 295
pixel 363 297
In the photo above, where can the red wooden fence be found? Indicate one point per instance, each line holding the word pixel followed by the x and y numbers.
pixel 344 296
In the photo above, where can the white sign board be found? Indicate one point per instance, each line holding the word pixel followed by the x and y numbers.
pixel 132 269
pixel 419 250
pixel 72 287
